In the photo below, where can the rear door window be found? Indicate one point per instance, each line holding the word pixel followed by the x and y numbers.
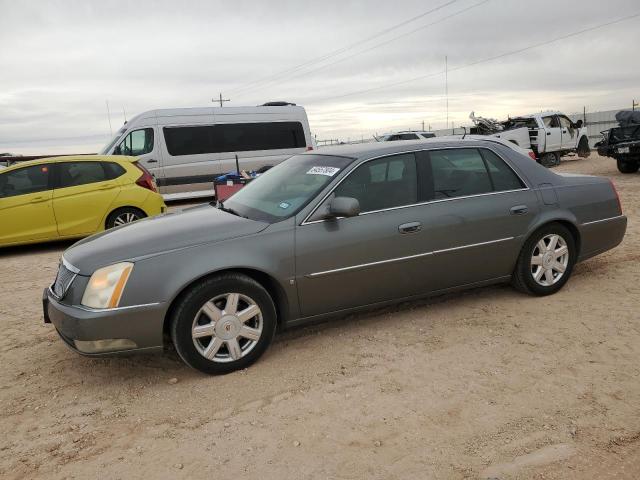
pixel 551 121
pixel 458 173
pixel 73 174
pixel 24 181
pixel 502 176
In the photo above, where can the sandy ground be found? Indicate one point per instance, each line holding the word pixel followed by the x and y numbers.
pixel 485 384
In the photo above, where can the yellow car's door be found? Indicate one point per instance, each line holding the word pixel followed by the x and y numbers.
pixel 83 193
pixel 26 209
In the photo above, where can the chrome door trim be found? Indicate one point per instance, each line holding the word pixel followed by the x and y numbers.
pixel 401 259
pixel 306 222
pixel 602 220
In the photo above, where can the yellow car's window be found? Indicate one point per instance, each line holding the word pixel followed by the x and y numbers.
pixel 24 181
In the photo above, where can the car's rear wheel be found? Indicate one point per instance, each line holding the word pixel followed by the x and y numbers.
pixel 546 261
pixel 224 323
pixel 123 216
pixel 628 166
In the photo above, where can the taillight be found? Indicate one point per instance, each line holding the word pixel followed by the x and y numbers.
pixel 613 185
pixel 533 156
pixel 146 180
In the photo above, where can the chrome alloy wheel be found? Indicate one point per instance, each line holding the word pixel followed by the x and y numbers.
pixel 549 259
pixel 125 218
pixel 227 327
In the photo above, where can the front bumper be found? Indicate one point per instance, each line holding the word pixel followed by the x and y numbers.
pixel 105 332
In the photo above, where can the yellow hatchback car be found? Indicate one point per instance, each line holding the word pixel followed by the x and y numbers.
pixel 72 197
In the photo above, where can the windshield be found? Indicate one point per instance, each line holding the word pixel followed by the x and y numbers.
pixel 284 190
pixel 107 148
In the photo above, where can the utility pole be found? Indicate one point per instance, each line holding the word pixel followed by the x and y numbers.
pixel 220 99
pixel 446 84
pixel 423 125
pixel 634 104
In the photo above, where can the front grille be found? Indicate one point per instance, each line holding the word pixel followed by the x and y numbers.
pixel 63 281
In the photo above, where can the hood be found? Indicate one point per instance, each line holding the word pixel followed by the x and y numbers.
pixel 157 235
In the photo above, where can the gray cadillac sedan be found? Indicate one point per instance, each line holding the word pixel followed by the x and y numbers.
pixel 326 233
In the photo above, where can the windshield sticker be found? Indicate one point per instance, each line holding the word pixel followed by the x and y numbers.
pixel 284 205
pixel 328 171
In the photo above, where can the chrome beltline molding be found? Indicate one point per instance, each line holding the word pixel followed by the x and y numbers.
pixel 401 259
pixel 603 220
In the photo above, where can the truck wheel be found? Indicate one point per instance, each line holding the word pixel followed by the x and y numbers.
pixel 583 148
pixel 627 166
pixel 550 159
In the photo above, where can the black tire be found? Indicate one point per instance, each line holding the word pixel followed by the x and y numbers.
pixel 583 150
pixel 188 314
pixel 523 274
pixel 627 166
pixel 116 217
pixel 550 159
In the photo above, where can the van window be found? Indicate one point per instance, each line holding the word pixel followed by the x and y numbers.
pixel 136 143
pixel 233 137
pixel 24 180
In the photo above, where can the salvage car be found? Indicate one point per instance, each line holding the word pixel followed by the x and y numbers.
pixel 326 233
pixel 62 198
pixel 622 143
pixel 550 134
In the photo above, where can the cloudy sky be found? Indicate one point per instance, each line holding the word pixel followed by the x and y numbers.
pixel 358 67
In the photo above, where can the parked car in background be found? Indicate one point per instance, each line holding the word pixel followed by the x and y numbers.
pixel 186 148
pixel 326 233
pixel 71 197
pixel 405 135
pixel 623 142
pixel 550 134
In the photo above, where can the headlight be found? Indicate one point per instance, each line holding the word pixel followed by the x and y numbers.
pixel 106 285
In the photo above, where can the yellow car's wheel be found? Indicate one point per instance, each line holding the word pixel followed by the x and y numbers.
pixel 123 216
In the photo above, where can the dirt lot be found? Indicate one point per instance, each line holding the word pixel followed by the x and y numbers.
pixel 486 384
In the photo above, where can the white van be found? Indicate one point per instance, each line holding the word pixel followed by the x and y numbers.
pixel 186 148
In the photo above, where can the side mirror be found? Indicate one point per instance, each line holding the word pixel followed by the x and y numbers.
pixel 344 207
pixel 578 124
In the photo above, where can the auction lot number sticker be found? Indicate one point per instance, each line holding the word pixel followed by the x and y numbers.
pixel 328 171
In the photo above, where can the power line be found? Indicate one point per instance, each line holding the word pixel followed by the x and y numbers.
pixel 488 59
pixel 373 47
pixel 343 49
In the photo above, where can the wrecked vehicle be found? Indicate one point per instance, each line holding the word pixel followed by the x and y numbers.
pixel 550 134
pixel 623 142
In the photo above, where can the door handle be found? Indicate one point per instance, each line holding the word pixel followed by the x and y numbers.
pixel 412 227
pixel 39 200
pixel 151 160
pixel 519 210
pixel 107 186
pixel 548 134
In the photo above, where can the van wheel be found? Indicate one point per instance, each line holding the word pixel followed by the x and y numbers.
pixel 546 261
pixel 583 148
pixel 223 324
pixel 123 216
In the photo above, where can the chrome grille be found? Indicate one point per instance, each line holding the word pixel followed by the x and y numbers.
pixel 63 281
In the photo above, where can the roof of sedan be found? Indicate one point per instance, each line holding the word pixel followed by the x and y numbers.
pixel 373 149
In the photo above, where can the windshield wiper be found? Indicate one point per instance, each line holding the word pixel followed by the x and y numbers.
pixel 221 206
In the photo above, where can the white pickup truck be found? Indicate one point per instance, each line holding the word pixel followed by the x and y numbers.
pixel 551 134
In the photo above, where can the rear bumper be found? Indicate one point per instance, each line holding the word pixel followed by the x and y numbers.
pixel 106 332
pixel 601 235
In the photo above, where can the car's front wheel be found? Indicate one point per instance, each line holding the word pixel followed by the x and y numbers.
pixel 546 261
pixel 224 323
